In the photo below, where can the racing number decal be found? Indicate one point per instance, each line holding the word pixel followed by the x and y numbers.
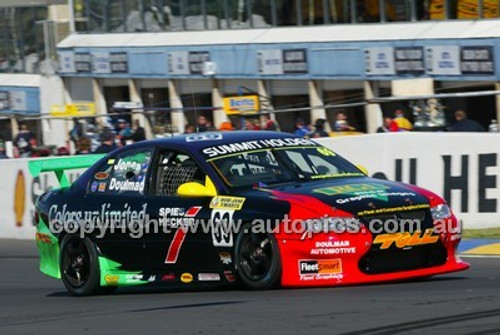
pixel 221 221
pixel 180 234
pixel 175 246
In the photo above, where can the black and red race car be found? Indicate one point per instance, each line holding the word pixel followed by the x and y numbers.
pixel 257 208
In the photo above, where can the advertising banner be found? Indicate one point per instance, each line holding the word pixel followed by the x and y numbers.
pixel 19 194
pixel 477 60
pixel 100 62
pixel 464 168
pixel 409 60
pixel 443 60
pixel 379 61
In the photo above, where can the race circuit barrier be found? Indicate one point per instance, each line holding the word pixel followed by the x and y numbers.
pixel 461 167
pixel 464 168
pixel 19 191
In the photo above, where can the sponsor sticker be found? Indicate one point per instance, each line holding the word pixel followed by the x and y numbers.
pixel 193 211
pixel 333 248
pixel 168 277
pixel 326 151
pixel 320 269
pixel 133 278
pixel 44 238
pixel 393 209
pixel 226 202
pixel 111 279
pixel 229 276
pixel 101 175
pixel 186 278
pixel 225 257
pixel 208 277
pixel 94 186
pixel 203 137
pixel 111 161
pixel 269 143
pixel 102 187
pixel 406 240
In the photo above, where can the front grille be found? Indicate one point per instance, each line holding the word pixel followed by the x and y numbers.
pixel 394 259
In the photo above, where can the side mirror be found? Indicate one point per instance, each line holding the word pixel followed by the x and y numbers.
pixel 362 169
pixel 197 190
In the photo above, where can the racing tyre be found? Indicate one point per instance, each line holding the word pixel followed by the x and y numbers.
pixel 79 266
pixel 257 258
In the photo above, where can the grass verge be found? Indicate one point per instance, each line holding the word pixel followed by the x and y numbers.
pixel 481 233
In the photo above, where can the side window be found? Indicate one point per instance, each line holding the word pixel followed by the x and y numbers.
pixel 176 169
pixel 123 174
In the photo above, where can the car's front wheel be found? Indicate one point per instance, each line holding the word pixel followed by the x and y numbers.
pixel 79 266
pixel 258 261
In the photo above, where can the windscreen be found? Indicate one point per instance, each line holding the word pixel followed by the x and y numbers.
pixel 273 166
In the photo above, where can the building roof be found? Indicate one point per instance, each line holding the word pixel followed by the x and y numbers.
pixel 20 79
pixel 322 33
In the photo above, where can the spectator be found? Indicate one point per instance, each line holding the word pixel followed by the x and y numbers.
pixel 389 126
pixel 107 142
pixel 189 129
pixel 63 151
pixel 301 128
pixel 403 123
pixel 84 146
pixel 76 132
pixel 269 123
pixel 251 124
pixel 139 132
pixel 41 152
pixel 203 124
pixel 319 129
pixel 341 123
pixel 226 126
pixel 23 141
pixel 464 124
pixel 124 131
pixel 2 150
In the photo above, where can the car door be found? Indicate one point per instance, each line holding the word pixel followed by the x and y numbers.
pixel 183 240
pixel 117 202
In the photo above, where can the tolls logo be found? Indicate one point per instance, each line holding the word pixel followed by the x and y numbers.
pixel 404 240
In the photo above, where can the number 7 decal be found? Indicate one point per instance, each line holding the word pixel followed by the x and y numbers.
pixel 179 237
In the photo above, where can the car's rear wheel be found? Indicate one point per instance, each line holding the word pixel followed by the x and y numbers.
pixel 257 257
pixel 79 266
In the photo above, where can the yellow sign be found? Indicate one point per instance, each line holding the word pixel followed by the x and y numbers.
pixel 77 109
pixel 469 9
pixel 437 10
pixel 229 203
pixel 403 240
pixel 246 104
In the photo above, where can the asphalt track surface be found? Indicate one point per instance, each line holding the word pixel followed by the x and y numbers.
pixel 462 303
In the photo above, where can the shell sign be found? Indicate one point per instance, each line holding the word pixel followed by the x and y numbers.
pixel 19 198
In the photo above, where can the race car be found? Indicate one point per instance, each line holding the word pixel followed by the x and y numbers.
pixel 258 209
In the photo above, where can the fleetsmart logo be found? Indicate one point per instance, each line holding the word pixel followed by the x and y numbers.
pixel 375 191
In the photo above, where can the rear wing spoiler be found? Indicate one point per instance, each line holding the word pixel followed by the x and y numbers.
pixel 60 165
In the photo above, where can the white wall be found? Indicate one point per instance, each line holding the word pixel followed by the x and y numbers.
pixel 55 132
pixel 17 203
pixel 381 153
